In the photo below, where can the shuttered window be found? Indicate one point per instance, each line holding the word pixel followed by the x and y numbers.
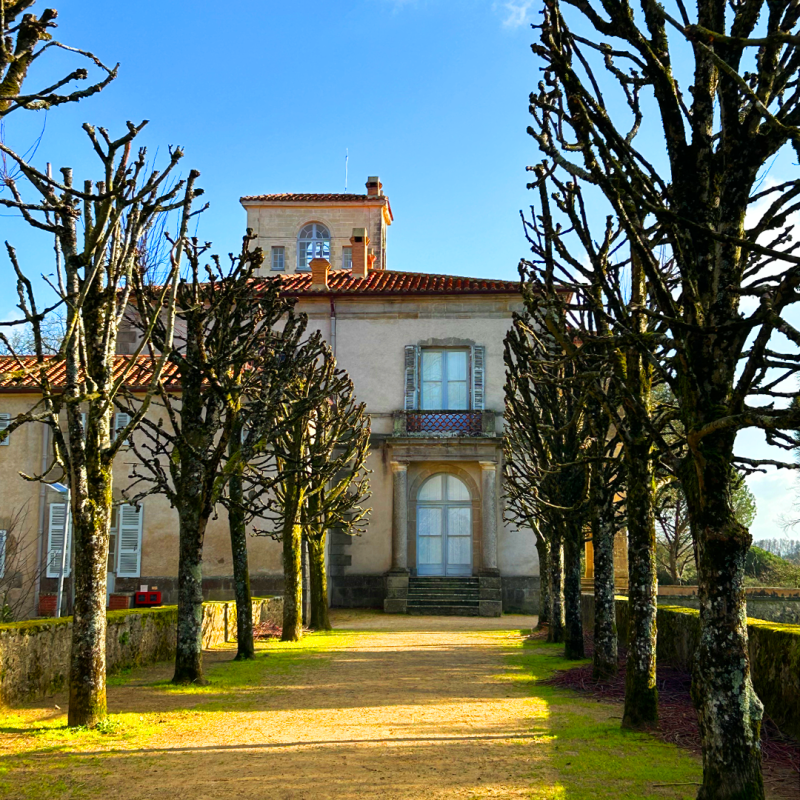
pixel 411 382
pixel 478 378
pixel 59 519
pixel 3 539
pixel 5 421
pixel 129 541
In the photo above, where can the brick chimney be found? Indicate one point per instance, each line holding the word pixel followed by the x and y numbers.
pixel 374 186
pixel 359 240
pixel 320 267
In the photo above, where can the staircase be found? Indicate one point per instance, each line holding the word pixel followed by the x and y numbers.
pixel 454 597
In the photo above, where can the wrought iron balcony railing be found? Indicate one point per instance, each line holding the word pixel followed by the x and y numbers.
pixel 444 423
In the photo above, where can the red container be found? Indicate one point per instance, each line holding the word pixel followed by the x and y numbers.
pixel 47 605
pixel 145 599
pixel 117 602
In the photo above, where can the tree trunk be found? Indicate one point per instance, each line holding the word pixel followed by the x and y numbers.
pixel 641 694
pixel 189 649
pixel 245 647
pixel 292 566
pixel 605 660
pixel 728 709
pixel 573 628
pixel 555 633
pixel 320 620
pixel 543 549
pixel 91 501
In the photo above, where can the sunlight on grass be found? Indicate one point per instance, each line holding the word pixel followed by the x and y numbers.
pixel 588 754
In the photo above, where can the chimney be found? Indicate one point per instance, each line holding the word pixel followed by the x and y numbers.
pixel 371 260
pixel 359 240
pixel 374 186
pixel 319 274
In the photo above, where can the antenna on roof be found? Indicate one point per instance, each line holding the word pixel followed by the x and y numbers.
pixel 346 156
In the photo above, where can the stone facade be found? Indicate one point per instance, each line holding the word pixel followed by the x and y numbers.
pixel 371 334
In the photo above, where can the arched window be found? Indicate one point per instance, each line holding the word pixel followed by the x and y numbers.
pixel 314 241
pixel 444 527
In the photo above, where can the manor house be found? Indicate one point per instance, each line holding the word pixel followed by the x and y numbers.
pixel 425 353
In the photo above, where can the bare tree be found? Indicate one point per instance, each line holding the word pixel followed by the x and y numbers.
pixel 688 189
pixel 19 570
pixel 338 484
pixel 545 406
pixel 229 344
pixel 97 232
pixel 24 39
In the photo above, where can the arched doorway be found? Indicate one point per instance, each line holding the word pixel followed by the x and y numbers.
pixel 444 527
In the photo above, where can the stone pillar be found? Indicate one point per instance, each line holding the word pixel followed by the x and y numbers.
pixel 396 601
pixel 489 506
pixel 399 516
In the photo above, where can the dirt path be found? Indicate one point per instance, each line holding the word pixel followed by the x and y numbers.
pixel 402 708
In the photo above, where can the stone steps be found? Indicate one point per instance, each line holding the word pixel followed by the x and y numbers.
pixel 444 596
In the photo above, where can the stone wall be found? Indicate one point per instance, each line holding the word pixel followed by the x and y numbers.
pixel 770 607
pixel 34 655
pixel 774 654
pixel 520 594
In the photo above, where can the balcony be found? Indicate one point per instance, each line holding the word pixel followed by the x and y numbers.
pixel 444 423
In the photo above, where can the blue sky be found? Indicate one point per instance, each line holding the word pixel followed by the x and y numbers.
pixel 431 95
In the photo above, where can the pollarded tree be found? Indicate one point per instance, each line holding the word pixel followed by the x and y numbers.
pixel 338 447
pixel 725 102
pixel 545 410
pixel 24 40
pixel 98 231
pixel 292 472
pixel 238 338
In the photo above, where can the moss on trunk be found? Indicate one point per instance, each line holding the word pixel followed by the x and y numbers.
pixel 729 712
pixel 573 627
pixel 91 502
pixel 543 550
pixel 189 646
pixel 320 620
pixel 292 564
pixel 605 660
pixel 641 694
pixel 555 633
pixel 245 646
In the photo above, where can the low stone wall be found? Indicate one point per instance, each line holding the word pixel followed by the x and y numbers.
pixel 34 655
pixel 772 607
pixel 774 654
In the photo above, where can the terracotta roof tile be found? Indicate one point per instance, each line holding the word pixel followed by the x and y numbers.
pixel 389 282
pixel 19 375
pixel 314 198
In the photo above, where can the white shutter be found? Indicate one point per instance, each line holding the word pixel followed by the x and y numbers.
pixel 59 518
pixel 129 542
pixel 5 421
pixel 478 378
pixel 3 538
pixel 411 380
pixel 121 419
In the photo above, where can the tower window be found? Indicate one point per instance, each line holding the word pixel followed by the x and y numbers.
pixel 314 241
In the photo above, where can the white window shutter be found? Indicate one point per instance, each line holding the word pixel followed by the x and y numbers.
pixel 3 539
pixel 411 377
pixel 129 542
pixel 121 419
pixel 59 519
pixel 478 378
pixel 5 421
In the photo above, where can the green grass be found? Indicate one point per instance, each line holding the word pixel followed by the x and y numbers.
pixel 576 749
pixel 588 754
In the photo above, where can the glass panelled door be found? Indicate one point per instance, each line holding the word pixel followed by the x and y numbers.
pixel 444 527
